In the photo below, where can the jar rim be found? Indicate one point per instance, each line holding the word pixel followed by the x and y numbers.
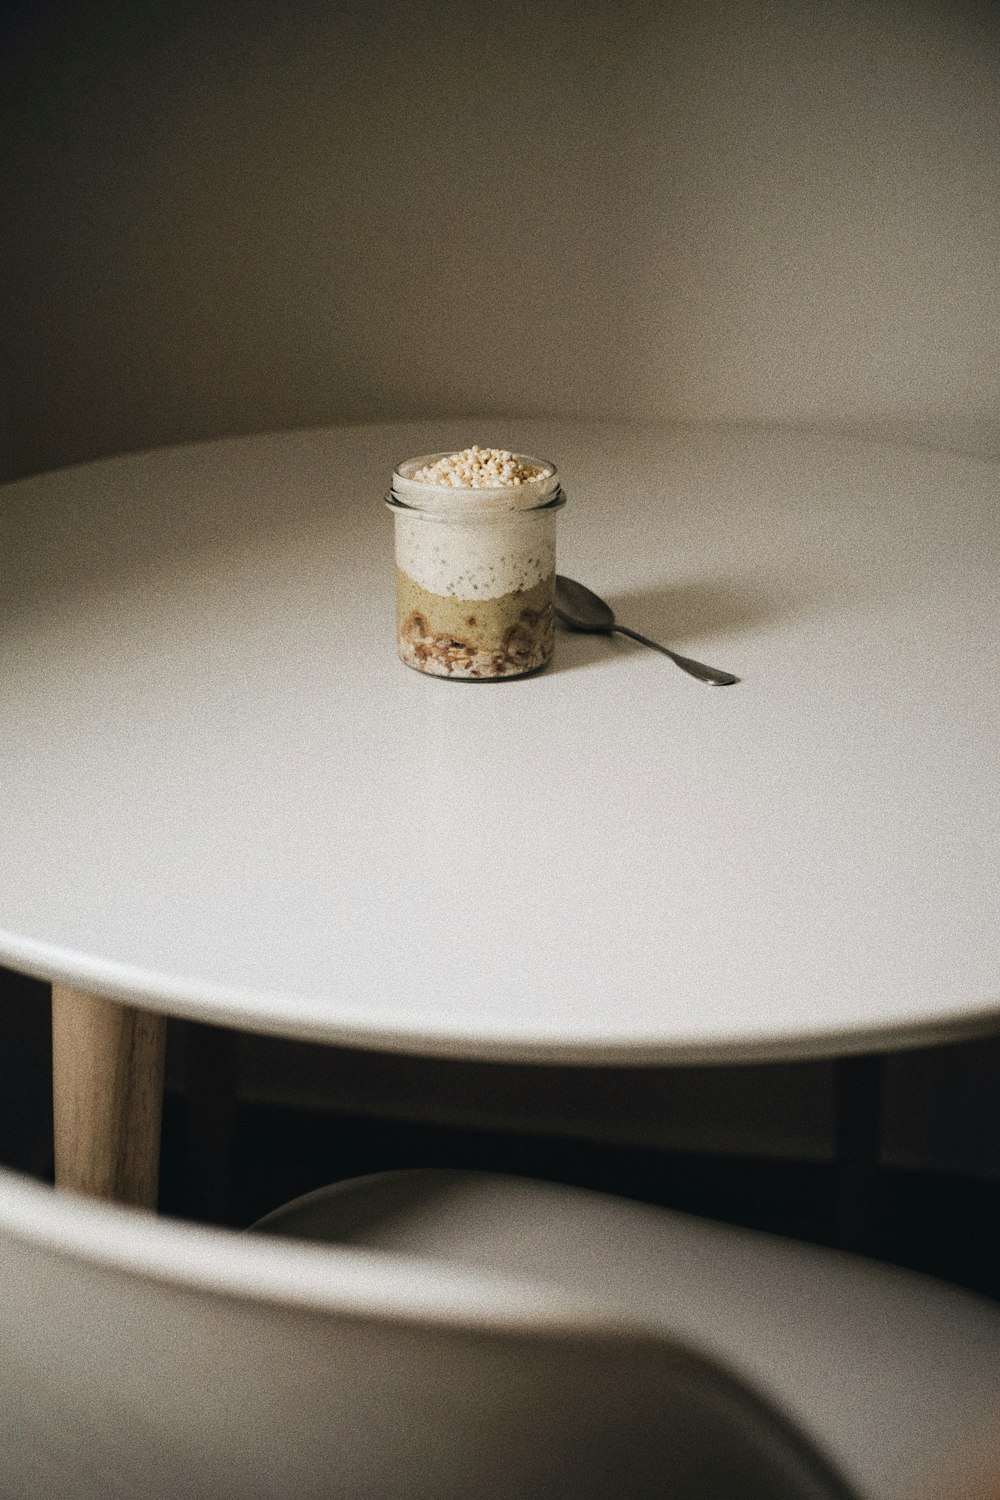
pixel 470 517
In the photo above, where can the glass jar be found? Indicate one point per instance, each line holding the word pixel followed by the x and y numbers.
pixel 475 572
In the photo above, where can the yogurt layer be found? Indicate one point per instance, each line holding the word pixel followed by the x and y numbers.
pixel 476 560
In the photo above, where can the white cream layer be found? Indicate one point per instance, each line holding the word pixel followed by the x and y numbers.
pixel 470 561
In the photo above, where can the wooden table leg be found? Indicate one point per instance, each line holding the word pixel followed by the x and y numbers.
pixel 107 1088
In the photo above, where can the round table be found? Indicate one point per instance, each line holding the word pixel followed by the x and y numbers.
pixel 224 797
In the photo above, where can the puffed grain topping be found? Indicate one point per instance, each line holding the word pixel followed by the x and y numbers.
pixel 479 469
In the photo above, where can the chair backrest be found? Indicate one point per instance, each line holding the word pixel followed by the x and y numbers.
pixel 145 1358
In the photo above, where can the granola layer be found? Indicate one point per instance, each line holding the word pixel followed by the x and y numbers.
pixel 448 636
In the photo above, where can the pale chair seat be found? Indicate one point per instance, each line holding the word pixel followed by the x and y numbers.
pixel 895 1376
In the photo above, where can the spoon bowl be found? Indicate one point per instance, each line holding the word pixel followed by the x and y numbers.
pixel 581 609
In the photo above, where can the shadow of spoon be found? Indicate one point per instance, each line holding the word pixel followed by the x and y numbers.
pixel 582 610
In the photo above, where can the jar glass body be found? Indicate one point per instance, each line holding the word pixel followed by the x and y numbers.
pixel 475 575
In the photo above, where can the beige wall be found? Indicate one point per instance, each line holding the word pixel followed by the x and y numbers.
pixel 230 217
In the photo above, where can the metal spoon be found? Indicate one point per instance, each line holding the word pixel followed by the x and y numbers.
pixel 582 610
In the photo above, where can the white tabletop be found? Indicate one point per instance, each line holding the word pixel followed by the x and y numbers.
pixel 223 796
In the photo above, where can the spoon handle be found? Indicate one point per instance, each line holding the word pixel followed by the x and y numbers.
pixel 696 668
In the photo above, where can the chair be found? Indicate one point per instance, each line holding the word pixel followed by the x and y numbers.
pixel 895 1376
pixel 150 1359
pixel 435 1353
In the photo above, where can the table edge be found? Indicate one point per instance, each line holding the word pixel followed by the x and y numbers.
pixel 263 1013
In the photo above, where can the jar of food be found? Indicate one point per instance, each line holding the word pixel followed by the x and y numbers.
pixel 475 562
